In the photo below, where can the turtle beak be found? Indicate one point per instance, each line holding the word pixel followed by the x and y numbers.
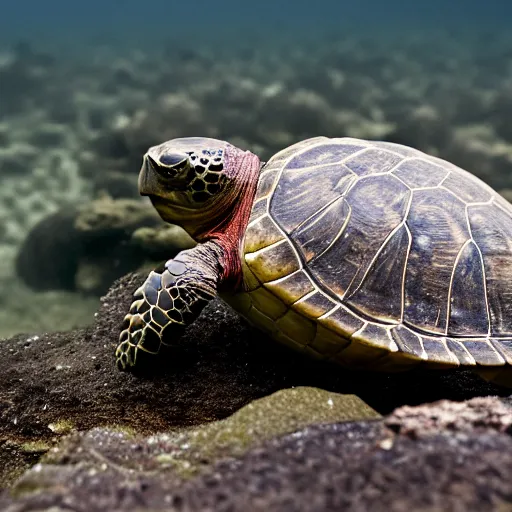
pixel 147 177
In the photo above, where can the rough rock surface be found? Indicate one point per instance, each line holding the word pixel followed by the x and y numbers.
pixel 63 384
pixel 423 420
pixel 350 466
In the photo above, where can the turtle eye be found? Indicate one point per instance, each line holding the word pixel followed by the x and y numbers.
pixel 175 164
pixel 172 159
pixel 180 166
pixel 170 165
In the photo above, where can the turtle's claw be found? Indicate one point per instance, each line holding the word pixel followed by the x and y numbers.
pixel 137 336
pixel 126 352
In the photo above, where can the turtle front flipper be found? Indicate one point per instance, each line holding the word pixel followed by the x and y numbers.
pixel 168 301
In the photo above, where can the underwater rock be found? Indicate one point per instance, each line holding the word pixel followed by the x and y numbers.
pixel 88 247
pixel 35 184
pixel 186 452
pixel 14 159
pixel 121 143
pixel 48 257
pixel 358 466
pixel 507 194
pixel 106 216
pixel 171 115
pixel 123 74
pixel 477 148
pixel 157 242
pixel 331 466
pixel 106 226
pixel 431 419
pixel 24 310
pixel 424 129
pixel 49 135
pixel 282 412
pixel 5 135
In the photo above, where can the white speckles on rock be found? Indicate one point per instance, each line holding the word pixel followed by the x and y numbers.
pixel 59 367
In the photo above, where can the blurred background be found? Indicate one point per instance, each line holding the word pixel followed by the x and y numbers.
pixel 87 87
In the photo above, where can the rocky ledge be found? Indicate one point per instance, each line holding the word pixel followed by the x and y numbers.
pixel 232 421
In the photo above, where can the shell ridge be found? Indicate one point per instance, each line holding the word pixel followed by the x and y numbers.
pixel 450 287
pixel 320 211
pixel 468 220
pixel 340 232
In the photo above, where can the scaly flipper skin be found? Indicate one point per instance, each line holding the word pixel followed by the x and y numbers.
pixel 169 301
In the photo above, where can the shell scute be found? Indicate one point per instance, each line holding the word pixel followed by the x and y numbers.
pixel 291 203
pixel 420 173
pixel 261 233
pixel 473 191
pixel 272 262
pixel 314 236
pixel 380 292
pixel 375 336
pixel 483 352
pixel 468 301
pixel 292 287
pixel 324 154
pixel 342 321
pixel 314 305
pixel 265 185
pixel 372 161
pixel 409 342
pixel 296 327
pixel 327 341
pixel 504 347
pixel 437 351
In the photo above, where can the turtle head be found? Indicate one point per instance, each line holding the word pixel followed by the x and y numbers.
pixel 192 181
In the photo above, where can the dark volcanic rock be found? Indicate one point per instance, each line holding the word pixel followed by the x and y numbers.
pixel 359 467
pixel 173 456
pixel 352 466
pixel 48 257
pixel 88 247
pixel 485 412
pixel 55 383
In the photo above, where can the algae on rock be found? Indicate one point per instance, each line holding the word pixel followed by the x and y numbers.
pixel 282 412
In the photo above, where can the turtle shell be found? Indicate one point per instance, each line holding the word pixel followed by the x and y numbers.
pixel 375 254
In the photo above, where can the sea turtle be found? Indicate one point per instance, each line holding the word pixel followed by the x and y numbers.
pixel 365 253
